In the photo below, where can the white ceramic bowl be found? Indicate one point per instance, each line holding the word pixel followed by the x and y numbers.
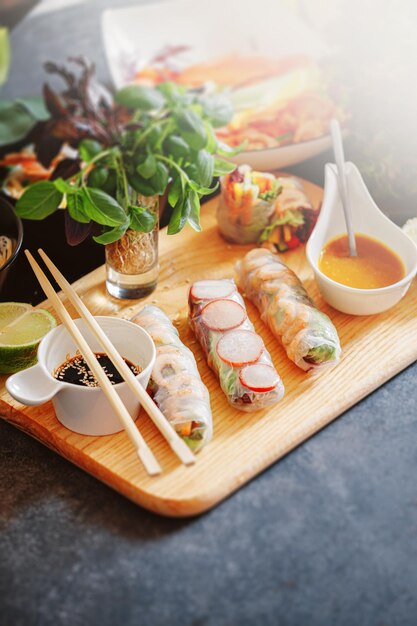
pixel 84 410
pixel 369 220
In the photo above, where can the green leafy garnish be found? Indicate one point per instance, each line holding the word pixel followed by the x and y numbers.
pixel 39 200
pixel 18 118
pixel 142 219
pixel 142 140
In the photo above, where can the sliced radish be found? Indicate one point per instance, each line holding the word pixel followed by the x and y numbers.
pixel 223 315
pixel 239 347
pixel 212 289
pixel 259 377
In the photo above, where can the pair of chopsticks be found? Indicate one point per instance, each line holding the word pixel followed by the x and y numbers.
pixel 147 457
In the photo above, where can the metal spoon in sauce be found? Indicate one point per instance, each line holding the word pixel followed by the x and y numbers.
pixel 343 188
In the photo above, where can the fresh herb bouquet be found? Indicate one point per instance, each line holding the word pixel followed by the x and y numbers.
pixel 152 140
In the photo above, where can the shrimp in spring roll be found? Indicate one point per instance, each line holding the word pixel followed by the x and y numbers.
pixel 247 202
pixel 307 334
pixel 175 382
pixel 235 352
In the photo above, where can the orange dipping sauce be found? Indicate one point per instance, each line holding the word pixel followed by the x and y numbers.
pixel 375 266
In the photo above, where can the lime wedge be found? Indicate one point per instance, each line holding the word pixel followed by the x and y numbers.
pixel 410 228
pixel 21 329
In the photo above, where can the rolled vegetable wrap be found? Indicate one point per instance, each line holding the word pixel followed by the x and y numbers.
pixel 247 202
pixel 175 382
pixel 307 334
pixel 234 351
pixel 294 217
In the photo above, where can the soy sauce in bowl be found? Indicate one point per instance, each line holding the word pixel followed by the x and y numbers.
pixel 75 370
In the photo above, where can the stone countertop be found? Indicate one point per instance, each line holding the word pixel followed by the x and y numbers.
pixel 327 536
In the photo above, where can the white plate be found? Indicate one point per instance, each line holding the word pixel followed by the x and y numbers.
pixel 133 35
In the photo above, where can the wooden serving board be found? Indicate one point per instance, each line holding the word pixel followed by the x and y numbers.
pixel 375 348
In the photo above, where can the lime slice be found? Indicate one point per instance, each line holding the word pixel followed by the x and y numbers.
pixel 410 228
pixel 21 329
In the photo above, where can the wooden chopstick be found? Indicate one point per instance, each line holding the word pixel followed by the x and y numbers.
pixel 177 444
pixel 144 453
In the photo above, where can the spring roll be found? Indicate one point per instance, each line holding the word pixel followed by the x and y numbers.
pixel 235 352
pixel 175 383
pixel 247 202
pixel 307 334
pixel 294 217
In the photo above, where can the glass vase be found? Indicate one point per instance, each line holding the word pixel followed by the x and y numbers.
pixel 132 261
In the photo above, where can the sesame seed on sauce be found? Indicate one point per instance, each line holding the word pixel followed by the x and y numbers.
pixel 76 371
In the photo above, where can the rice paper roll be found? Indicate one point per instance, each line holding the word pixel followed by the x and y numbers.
pixel 175 383
pixel 247 202
pixel 308 335
pixel 234 351
pixel 294 217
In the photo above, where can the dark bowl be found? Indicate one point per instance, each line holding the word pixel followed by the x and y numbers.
pixel 10 226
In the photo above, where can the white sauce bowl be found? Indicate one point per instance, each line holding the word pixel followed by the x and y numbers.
pixel 366 219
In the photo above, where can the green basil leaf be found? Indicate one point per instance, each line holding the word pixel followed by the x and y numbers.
pixel 218 110
pixel 170 90
pixel 212 142
pixel 189 121
pixel 203 191
pixel 75 206
pixel 154 136
pixel 194 214
pixel 179 217
pixel 35 106
pixel 159 180
pixel 148 168
pixel 15 123
pixel 196 141
pixel 139 97
pixel 205 168
pixel 64 187
pixel 222 167
pixel 192 171
pixel 39 200
pixel 142 219
pixel 88 149
pixel 110 184
pixel 192 127
pixel 141 185
pixel 176 146
pixel 102 208
pixel 176 191
pixel 97 177
pixel 112 235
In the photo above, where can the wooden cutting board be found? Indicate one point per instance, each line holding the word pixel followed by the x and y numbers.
pixel 375 348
